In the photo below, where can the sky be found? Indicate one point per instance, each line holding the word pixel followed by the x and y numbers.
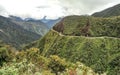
pixel 53 8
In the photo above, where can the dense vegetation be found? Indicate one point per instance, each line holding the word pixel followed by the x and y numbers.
pixel 112 11
pixel 14 34
pixel 99 49
pixel 30 62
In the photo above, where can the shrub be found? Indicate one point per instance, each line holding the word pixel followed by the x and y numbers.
pixel 57 64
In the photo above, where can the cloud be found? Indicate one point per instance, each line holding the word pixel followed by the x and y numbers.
pixel 42 7
pixel 3 11
pixel 54 8
pixel 86 6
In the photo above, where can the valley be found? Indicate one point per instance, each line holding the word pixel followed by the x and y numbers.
pixel 70 45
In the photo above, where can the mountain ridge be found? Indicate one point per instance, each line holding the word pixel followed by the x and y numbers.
pixel 109 12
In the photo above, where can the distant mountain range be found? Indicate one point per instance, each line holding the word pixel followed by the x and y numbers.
pixel 39 26
pixel 14 34
pixel 109 12
pixel 30 24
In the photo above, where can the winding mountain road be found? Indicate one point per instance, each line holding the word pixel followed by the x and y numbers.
pixel 86 37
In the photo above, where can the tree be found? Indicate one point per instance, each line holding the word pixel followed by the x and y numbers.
pixel 3 55
pixel 57 64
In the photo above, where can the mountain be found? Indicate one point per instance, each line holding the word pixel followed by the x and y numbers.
pixel 30 24
pixel 50 22
pixel 90 40
pixel 13 34
pixel 16 18
pixel 112 11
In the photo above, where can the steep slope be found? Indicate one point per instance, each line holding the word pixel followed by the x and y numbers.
pixel 32 25
pixel 14 34
pixel 112 11
pixel 97 47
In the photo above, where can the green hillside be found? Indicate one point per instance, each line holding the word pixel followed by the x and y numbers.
pixel 30 62
pixel 92 41
pixel 109 12
pixel 89 26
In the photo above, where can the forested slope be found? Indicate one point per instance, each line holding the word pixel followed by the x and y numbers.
pixel 98 48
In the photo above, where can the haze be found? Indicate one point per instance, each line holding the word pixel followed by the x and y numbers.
pixel 52 8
